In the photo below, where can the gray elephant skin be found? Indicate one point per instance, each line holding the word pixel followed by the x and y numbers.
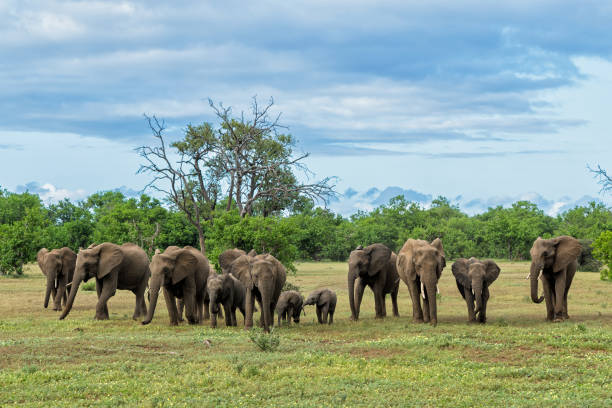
pixel 373 266
pixel 290 305
pixel 473 280
pixel 58 267
pixel 419 265
pixel 554 261
pixel 182 274
pixel 325 301
pixel 263 277
pixel 124 267
pixel 228 291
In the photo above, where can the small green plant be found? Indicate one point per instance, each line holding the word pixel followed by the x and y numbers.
pixel 290 286
pixel 580 327
pixel 264 341
pixel 502 322
pixel 89 286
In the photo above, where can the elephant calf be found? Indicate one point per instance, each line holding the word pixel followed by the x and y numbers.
pixel 325 300
pixel 290 305
pixel 228 291
pixel 473 280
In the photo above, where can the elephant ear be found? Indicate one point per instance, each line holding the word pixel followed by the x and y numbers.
pixel 568 249
pixel 460 270
pixel 40 256
pixel 492 271
pixel 379 257
pixel 437 243
pixel 241 269
pixel 404 263
pixel 110 257
pixel 184 265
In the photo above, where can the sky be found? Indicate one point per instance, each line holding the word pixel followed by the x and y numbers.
pixel 477 101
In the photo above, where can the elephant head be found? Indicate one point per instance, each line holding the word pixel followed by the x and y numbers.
pixel 366 263
pixel 168 269
pixel 226 258
pixel 97 261
pixel 50 263
pixel 475 275
pixel 553 254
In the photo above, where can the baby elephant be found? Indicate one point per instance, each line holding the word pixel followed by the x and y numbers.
pixel 325 300
pixel 228 291
pixel 290 304
pixel 473 280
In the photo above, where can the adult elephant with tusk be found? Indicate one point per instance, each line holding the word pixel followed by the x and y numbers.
pixel 473 280
pixel 419 265
pixel 554 261
pixel 58 267
pixel 114 267
pixel 372 266
pixel 182 273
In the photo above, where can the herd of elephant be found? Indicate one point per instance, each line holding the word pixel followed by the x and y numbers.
pixel 188 283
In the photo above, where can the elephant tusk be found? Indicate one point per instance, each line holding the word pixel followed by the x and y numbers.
pixel 69 284
pixel 422 290
pixel 437 289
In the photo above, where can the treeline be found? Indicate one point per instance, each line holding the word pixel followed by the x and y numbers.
pixel 308 233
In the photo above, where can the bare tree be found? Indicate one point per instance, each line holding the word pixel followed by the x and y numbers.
pixel 260 162
pixel 191 183
pixel 603 178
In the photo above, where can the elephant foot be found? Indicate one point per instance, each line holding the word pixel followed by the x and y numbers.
pixel 418 320
pixel 101 318
pixel 434 323
pixel 558 320
pixel 354 318
pixel 174 324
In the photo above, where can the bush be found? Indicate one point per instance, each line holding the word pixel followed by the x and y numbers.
pixel 263 340
pixel 89 286
pixel 586 261
pixel 290 286
pixel 602 250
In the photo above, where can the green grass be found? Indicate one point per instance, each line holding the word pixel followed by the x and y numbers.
pixel 516 359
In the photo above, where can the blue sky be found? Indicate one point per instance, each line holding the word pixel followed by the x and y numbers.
pixel 480 100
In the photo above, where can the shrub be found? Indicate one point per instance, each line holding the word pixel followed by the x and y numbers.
pixel 263 340
pixel 602 250
pixel 89 286
pixel 290 286
pixel 586 261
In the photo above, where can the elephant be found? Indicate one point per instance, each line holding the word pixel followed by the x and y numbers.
pixel 124 267
pixel 263 277
pixel 419 265
pixel 325 301
pixel 228 256
pixel 58 266
pixel 556 259
pixel 182 272
pixel 473 280
pixel 372 266
pixel 228 291
pixel 290 305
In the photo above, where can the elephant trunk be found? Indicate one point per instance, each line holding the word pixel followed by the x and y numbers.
pixel 430 287
pixel 351 292
pixel 214 308
pixel 248 318
pixel 154 287
pixel 50 287
pixel 477 288
pixel 76 282
pixel 533 276
pixel 265 305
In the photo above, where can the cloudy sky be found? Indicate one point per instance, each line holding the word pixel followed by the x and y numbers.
pixel 472 99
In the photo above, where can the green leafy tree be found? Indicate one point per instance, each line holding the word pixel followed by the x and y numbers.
pixel 602 249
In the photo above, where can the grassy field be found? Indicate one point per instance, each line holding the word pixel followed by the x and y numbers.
pixel 516 359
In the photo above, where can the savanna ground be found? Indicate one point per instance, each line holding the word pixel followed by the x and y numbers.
pixel 516 359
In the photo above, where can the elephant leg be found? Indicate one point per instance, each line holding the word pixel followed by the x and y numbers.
pixel 206 314
pixel 190 307
pixel 324 313
pixel 107 292
pixel 59 294
pixel 99 293
pixel 180 305
pixel 358 297
pixel 549 298
pixel 469 300
pixel 394 301
pixel 482 315
pixel 213 317
pixel 173 313
pixel 140 308
pixel 383 304
pixel 288 315
pixel 559 296
pixel 571 271
pixel 319 315
pixel 331 314
pixel 227 307
pixel 378 300
pixel 417 313
pixel 233 310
